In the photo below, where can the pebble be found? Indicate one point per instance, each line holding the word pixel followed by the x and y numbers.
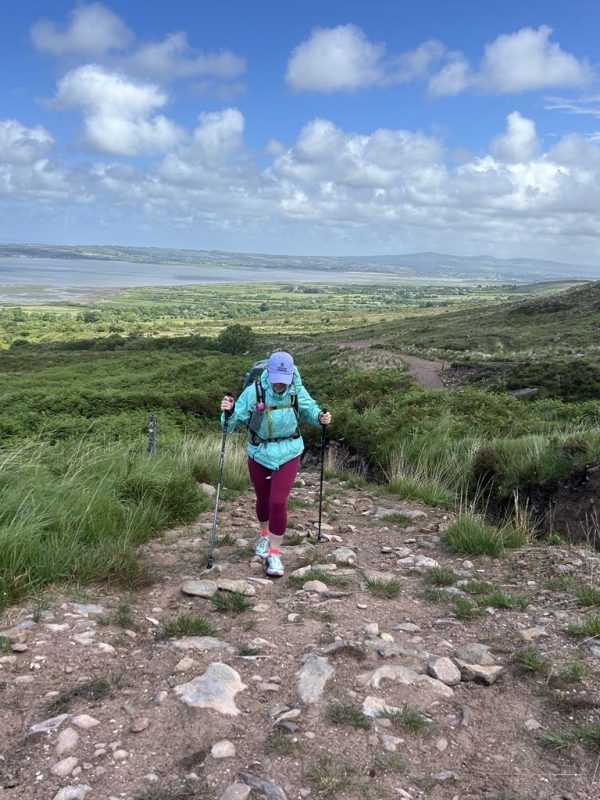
pixel 223 749
pixel 185 664
pixel 371 629
pixel 67 741
pixel 85 722
pixel 441 744
pixel 530 634
pixel 294 617
pixel 65 767
pixel 315 586
pixel 236 791
pixel 139 724
pixel 444 670
pixel 407 627
pixel 532 724
pixel 120 755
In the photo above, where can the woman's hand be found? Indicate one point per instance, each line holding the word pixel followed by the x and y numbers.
pixel 227 403
pixel 325 418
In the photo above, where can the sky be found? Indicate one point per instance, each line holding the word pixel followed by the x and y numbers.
pixel 321 127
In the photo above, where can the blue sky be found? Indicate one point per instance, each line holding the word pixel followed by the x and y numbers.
pixel 310 127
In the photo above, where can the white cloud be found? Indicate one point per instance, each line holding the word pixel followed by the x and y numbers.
pixel 454 77
pixel 93 30
pixel 587 104
pixel 519 143
pixel 515 62
pixel 22 145
pixel 118 112
pixel 334 59
pixel 343 59
pixel 173 58
pixel 333 190
pixel 527 60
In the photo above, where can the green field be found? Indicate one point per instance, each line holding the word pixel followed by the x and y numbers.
pixel 79 381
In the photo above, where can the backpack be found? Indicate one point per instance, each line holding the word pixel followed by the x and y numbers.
pixel 253 377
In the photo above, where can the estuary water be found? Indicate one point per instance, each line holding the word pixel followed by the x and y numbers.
pixel 34 278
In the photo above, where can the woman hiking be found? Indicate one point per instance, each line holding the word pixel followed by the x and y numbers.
pixel 272 408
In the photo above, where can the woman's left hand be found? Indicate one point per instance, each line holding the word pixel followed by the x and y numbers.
pixel 325 418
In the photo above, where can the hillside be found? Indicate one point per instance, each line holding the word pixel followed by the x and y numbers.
pixel 383 665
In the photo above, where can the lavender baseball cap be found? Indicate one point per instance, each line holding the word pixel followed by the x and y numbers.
pixel 280 368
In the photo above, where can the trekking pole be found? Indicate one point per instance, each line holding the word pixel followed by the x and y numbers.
pixel 213 533
pixel 323 443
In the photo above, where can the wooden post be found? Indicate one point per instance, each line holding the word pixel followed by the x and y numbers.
pixel 152 429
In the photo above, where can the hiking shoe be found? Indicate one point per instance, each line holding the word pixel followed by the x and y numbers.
pixel 261 548
pixel 274 566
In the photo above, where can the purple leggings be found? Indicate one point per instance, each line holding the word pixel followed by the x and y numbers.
pixel 272 488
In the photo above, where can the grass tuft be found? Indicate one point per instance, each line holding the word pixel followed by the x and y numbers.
pixel 590 627
pixel 408 717
pixel 441 576
pixel 588 596
pixel 499 599
pixel 464 608
pixel 531 660
pixel 187 626
pixel 5 643
pixel 386 590
pixel 230 602
pixel 329 776
pixel 346 714
pixel 249 650
pixel 574 672
pixel 472 536
pixel 391 762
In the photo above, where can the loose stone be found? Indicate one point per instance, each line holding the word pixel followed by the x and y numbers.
pixel 223 749
pixel 65 767
pixel 67 741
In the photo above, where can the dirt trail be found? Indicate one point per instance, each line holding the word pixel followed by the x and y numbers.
pixel 292 677
pixel 428 373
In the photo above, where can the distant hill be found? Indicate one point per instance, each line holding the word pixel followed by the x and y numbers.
pixel 566 322
pixel 433 265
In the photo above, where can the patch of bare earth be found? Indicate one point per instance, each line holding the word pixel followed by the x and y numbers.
pixel 291 678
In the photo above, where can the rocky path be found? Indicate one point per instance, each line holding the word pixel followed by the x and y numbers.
pixel 372 354
pixel 371 670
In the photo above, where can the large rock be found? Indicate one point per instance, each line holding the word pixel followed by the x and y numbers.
pixel 243 587
pixel 479 673
pixel 49 725
pixel 268 789
pixel 406 676
pixel 344 555
pixel 475 653
pixel 201 643
pixel 376 575
pixel 67 741
pixel 444 670
pixel 77 792
pixel 312 678
pixel 199 588
pixel 236 791
pixel 216 689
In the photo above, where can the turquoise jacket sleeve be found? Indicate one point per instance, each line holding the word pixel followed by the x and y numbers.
pixel 308 410
pixel 242 409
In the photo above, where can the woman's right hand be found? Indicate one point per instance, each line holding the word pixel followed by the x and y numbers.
pixel 227 403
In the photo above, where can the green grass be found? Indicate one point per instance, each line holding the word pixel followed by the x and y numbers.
pixel 230 602
pixel 188 626
pixel 397 518
pixel 499 599
pixel 477 587
pixel 559 583
pixel 441 576
pixel 249 650
pixel 470 535
pixel 434 594
pixel 279 743
pixel 587 734
pixel 5 643
pixel 465 609
pixel 408 717
pixel 346 714
pixel 91 691
pixel 574 672
pixel 329 776
pixel 391 762
pixel 588 596
pixel 531 660
pixel 385 590
pixel 589 628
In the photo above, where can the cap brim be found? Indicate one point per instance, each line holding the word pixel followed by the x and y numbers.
pixel 276 377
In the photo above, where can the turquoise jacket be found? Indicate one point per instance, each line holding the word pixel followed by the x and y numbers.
pixel 279 420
